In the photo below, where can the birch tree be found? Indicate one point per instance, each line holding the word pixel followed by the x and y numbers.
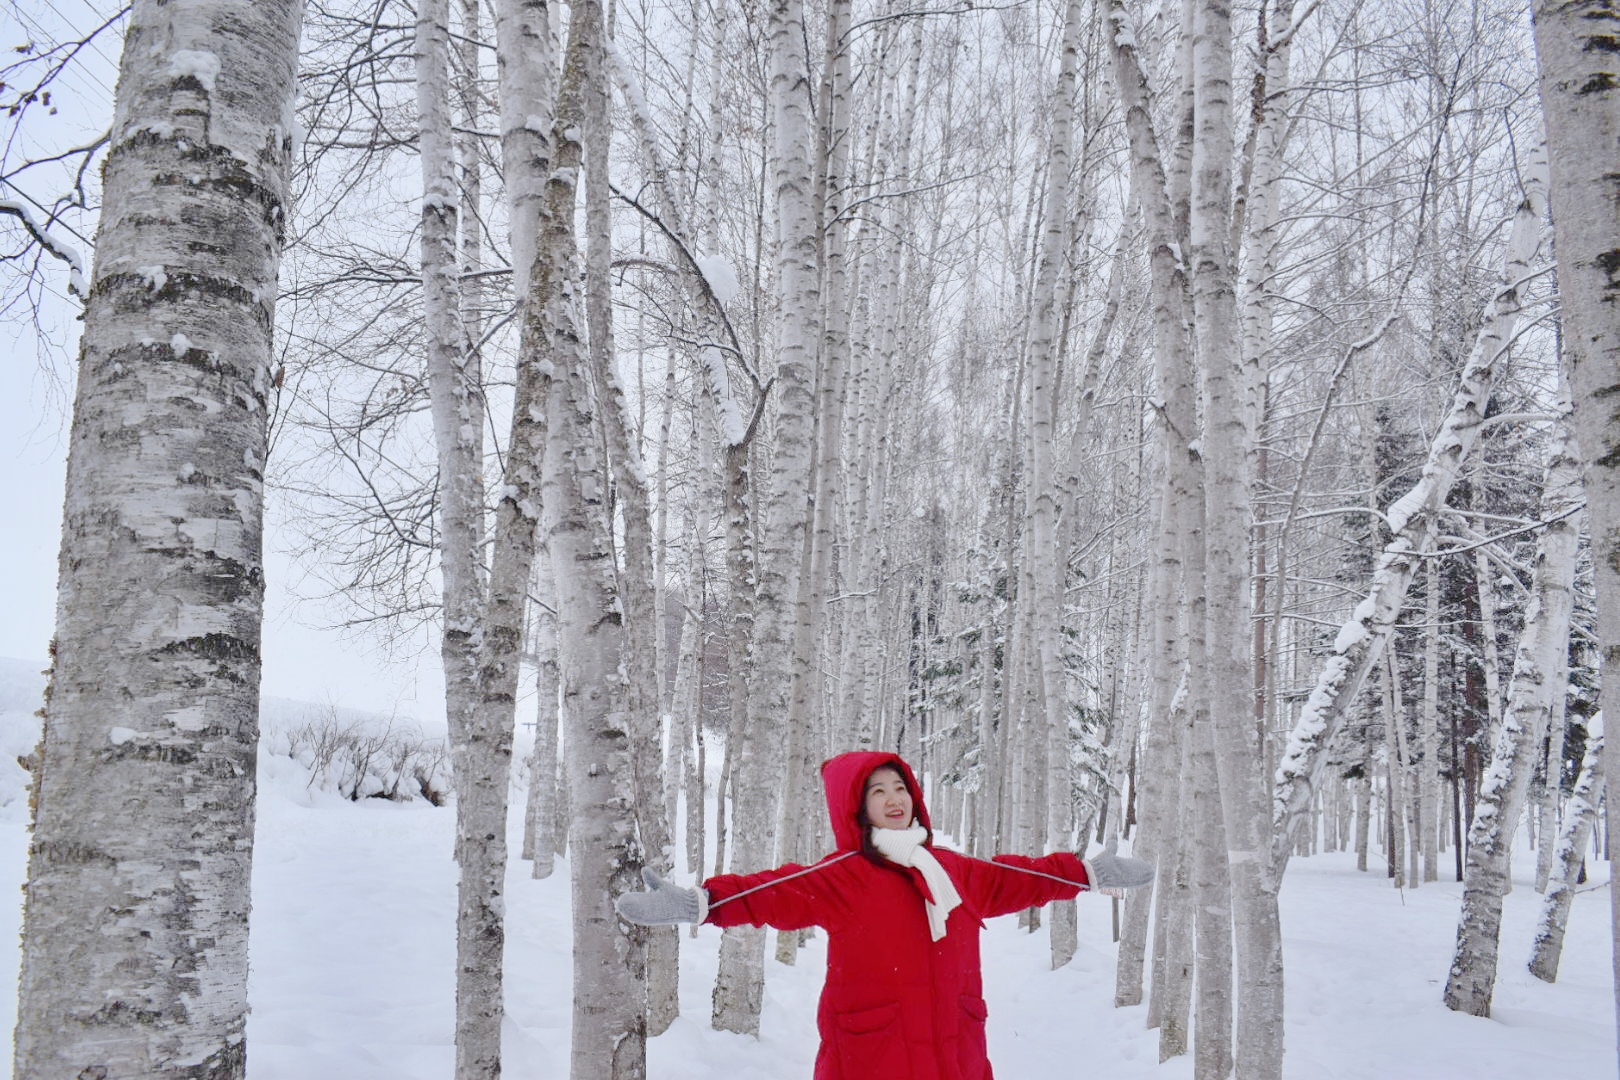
pixel 479 658
pixel 1411 521
pixel 1047 564
pixel 609 1018
pixel 136 923
pixel 1536 664
pixel 1226 585
pixel 739 984
pixel 1580 814
pixel 1580 99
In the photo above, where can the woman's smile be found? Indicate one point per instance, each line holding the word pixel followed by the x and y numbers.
pixel 888 800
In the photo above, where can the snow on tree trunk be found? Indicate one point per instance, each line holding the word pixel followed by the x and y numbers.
pixel 1580 813
pixel 758 780
pixel 1524 724
pixel 1580 100
pixel 135 932
pixel 1411 520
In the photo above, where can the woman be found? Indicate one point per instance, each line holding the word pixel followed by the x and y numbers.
pixel 903 998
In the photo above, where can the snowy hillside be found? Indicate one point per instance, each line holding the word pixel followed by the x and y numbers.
pixel 353 951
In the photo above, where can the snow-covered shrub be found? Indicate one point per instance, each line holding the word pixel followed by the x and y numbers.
pixel 366 758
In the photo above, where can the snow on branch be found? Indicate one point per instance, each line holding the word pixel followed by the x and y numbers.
pixel 1412 520
pixel 49 242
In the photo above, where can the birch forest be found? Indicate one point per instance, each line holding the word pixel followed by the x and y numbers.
pixel 1181 423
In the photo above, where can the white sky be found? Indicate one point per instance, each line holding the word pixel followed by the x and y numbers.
pixel 300 660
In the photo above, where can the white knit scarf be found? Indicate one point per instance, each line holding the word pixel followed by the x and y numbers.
pixel 905 847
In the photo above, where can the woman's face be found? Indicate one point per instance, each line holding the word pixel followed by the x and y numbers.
pixel 888 800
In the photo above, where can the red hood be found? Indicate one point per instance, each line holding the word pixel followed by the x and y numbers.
pixel 844 777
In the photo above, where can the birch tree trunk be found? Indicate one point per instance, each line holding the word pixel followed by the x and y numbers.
pixel 1173 943
pixel 484 739
pixel 1394 783
pixel 477 749
pixel 1429 776
pixel 1228 590
pixel 1411 520
pixel 609 1018
pixel 1580 99
pixel 1491 659
pixel 1502 795
pixel 796 821
pixel 1579 816
pixel 143 782
pixel 1045 561
pixel 1548 793
pixel 635 583
pixel 452 380
pixel 1153 184
pixel 758 780
pixel 543 781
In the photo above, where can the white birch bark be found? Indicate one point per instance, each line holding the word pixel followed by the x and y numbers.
pixel 1491 661
pixel 1364 810
pixel 1212 916
pixel 1580 100
pixel 1213 969
pixel 1160 788
pixel 1226 442
pixel 1548 793
pixel 144 779
pixel 609 1017
pixel 453 388
pixel 1173 377
pixel 480 754
pixel 1580 814
pixel 1429 766
pixel 544 836
pixel 1394 775
pixel 635 586
pixel 469 100
pixel 795 823
pixel 1171 1004
pixel 1045 562
pixel 1472 978
pixel 739 983
pixel 1411 520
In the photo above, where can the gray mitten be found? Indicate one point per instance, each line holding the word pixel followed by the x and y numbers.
pixel 1108 872
pixel 663 903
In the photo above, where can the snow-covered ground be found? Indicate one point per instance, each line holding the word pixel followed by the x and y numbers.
pixel 353 949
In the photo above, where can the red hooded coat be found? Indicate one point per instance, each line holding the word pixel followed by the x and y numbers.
pixel 897 1005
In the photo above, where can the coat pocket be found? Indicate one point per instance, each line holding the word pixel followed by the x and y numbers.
pixel 868 1043
pixel 973 1056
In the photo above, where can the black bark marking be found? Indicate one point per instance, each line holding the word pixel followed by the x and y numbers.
pixel 1609 263
pixel 68 853
pixel 213 646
